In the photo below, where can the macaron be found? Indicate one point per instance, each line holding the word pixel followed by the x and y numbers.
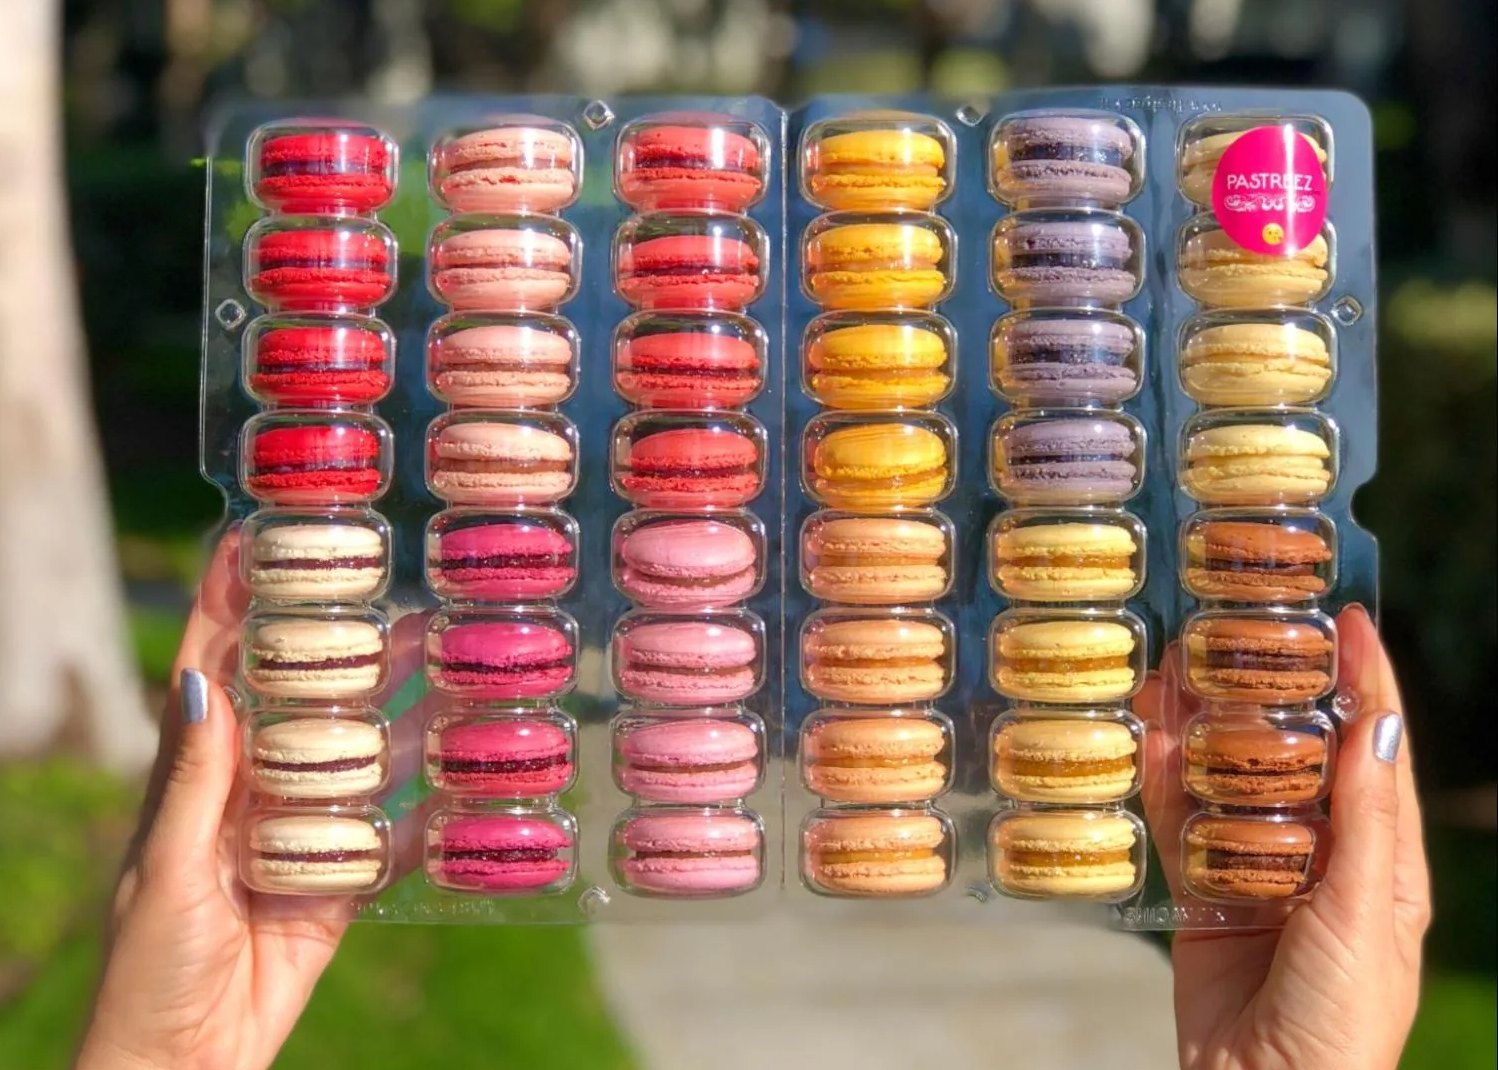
pixel 689 854
pixel 875 560
pixel 688 271
pixel 1072 461
pixel 333 463
pixel 893 854
pixel 310 171
pixel 1065 760
pixel 348 266
pixel 687 564
pixel 686 662
pixel 1063 159
pixel 313 854
pixel 1260 660
pixel 483 462
pixel 1055 360
pixel 692 468
pixel 880 661
pixel 1256 464
pixel 875 466
pixel 1247 858
pixel 692 760
pixel 1255 561
pixel 670 165
pixel 878 366
pixel 703 369
pixel 1065 661
pixel 500 366
pixel 506 169
pixel 498 854
pixel 508 560
pixel 506 660
pixel 500 759
pixel 316 562
pixel 874 170
pixel 1218 271
pixel 864 266
pixel 874 760
pixel 1066 562
pixel 1066 855
pixel 1255 763
pixel 336 363
pixel 1199 162
pixel 1245 364
pixel 314 657
pixel 1060 259
pixel 500 269
pixel 317 758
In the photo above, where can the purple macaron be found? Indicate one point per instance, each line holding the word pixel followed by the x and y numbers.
pixel 1054 158
pixel 1062 258
pixel 1067 462
pixel 1065 359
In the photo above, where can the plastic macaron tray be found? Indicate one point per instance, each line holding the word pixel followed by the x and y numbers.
pixel 686 508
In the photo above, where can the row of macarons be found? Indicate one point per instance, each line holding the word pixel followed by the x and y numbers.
pixel 864 463
pixel 695 160
pixel 680 852
pixel 853 655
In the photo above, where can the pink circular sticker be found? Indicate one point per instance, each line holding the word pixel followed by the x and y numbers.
pixel 1269 192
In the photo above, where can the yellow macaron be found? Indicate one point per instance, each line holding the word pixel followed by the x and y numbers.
pixel 876 265
pixel 1071 562
pixel 1199 163
pixel 1255 364
pixel 869 467
pixel 1216 270
pixel 1065 661
pixel 1065 854
pixel 1257 464
pixel 878 366
pixel 1065 759
pixel 868 170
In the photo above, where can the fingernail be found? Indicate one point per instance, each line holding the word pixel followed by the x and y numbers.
pixel 1387 735
pixel 193 687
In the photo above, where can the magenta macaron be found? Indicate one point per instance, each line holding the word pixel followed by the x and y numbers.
pixel 689 854
pixel 697 760
pixel 497 853
pixel 501 660
pixel 500 759
pixel 687 563
pixel 686 662
pixel 509 560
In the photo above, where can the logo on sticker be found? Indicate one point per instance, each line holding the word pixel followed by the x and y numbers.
pixel 1269 192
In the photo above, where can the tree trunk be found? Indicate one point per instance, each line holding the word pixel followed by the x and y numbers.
pixel 65 675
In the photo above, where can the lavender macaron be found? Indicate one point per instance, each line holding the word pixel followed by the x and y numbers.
pixel 1045 158
pixel 1066 258
pixel 1067 461
pixel 1065 358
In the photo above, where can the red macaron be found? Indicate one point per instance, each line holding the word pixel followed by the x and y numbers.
pixel 310 364
pixel 332 267
pixel 315 464
pixel 313 171
pixel 687 370
pixel 670 165
pixel 688 271
pixel 692 468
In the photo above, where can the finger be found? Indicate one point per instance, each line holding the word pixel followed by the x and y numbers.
pixel 1160 704
pixel 184 839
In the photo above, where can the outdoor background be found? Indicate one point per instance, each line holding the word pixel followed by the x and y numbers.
pixel 139 76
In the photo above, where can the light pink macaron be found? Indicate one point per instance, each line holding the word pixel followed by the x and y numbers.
pixel 687 663
pixel 506 169
pixel 696 760
pixel 484 462
pixel 500 366
pixel 683 563
pixel 690 854
pixel 501 269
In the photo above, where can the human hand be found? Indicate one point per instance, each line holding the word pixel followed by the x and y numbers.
pixel 1336 988
pixel 201 972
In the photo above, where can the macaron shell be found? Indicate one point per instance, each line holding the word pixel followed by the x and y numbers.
pixel 688 562
pixel 693 370
pixel 285 758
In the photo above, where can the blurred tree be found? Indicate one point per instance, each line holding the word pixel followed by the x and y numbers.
pixel 64 671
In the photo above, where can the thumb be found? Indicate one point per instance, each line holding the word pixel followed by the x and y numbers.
pixel 185 834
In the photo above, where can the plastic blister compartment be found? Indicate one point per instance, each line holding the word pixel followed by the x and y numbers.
pixel 1051 457
pixel 335 555
pixel 500 851
pixel 511 753
pixel 318 359
pixel 315 653
pixel 684 562
pixel 874 756
pixel 877 160
pixel 868 261
pixel 675 160
pixel 1062 156
pixel 706 658
pixel 515 163
pixel 690 260
pixel 1219 273
pixel 319 264
pixel 320 166
pixel 501 458
pixel 1259 758
pixel 877 854
pixel 1058 555
pixel 504 263
pixel 1064 357
pixel 502 655
pixel 1274 556
pixel 1257 357
pixel 1067 657
pixel 711 756
pixel 688 460
pixel 319 754
pixel 877 657
pixel 1233 858
pixel 502 360
pixel 688 853
pixel 689 360
pixel 1262 657
pixel 337 851
pixel 879 463
pixel 1202 141
pixel 1243 457
pixel 1067 256
pixel 878 360
pixel 1096 855
pixel 1067 756
pixel 877 560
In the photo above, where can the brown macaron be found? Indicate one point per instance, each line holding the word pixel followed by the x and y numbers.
pixel 1248 858
pixel 1254 763
pixel 1247 561
pixel 1248 659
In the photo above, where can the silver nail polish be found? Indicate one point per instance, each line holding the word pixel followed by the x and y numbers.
pixel 1387 735
pixel 193 688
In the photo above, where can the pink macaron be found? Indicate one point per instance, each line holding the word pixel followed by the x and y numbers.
pixel 498 853
pixel 686 662
pixel 687 563
pixel 514 168
pixel 697 760
pixel 687 854
pixel 501 365
pixel 501 660
pixel 502 268
pixel 500 759
pixel 509 560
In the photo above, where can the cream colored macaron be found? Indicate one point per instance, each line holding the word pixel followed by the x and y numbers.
pixel 1066 855
pixel 1255 364
pixel 1257 464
